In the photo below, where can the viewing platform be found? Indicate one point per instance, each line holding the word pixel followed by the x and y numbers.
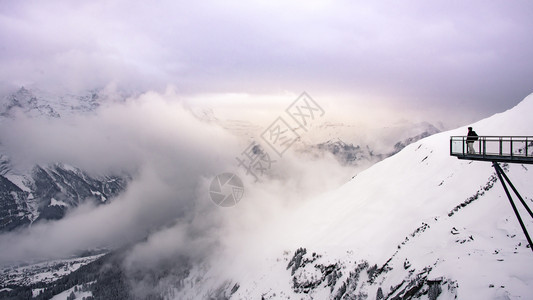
pixel 510 149
pixel 496 149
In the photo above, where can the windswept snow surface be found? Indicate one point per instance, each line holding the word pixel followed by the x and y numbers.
pixel 420 211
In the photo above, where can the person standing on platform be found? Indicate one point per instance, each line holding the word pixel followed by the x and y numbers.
pixel 470 139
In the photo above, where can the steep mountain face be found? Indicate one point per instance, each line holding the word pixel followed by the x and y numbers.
pixel 48 192
pixel 14 208
pixel 37 103
pixel 417 225
pixel 27 102
pixel 4 164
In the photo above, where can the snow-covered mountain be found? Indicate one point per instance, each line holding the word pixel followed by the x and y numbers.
pixel 47 192
pixel 417 225
pixel 38 103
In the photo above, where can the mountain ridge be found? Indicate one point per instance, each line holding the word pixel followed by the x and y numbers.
pixel 47 192
pixel 417 225
pixel 395 232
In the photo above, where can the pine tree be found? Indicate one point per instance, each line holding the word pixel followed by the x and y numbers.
pixel 72 296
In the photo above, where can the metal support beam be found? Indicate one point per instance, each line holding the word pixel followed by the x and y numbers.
pixel 501 176
pixel 517 194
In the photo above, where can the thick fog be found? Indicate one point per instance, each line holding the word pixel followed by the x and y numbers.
pixel 377 69
pixel 172 157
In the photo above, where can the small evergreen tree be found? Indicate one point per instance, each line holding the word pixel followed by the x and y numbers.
pixel 72 296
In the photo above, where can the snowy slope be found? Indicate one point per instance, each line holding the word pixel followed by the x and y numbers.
pixel 418 225
pixel 45 272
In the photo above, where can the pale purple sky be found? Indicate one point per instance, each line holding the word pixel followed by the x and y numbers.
pixel 474 56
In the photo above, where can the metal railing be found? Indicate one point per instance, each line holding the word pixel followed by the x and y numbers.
pixel 512 149
pixel 493 147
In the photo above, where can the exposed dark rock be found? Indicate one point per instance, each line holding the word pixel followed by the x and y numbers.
pixel 296 260
pixel 14 212
pixel 400 145
pixel 489 185
pixel 379 294
pixel 434 289
pixel 50 192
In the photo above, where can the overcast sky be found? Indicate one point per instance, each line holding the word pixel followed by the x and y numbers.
pixel 473 56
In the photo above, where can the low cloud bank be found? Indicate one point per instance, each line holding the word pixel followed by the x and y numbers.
pixel 166 212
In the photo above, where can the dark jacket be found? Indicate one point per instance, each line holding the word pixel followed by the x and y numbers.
pixel 472 136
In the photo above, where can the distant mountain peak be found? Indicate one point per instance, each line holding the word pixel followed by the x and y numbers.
pixel 39 103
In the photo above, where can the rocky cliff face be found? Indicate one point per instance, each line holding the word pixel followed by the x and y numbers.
pixel 35 103
pixel 14 209
pixel 48 192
